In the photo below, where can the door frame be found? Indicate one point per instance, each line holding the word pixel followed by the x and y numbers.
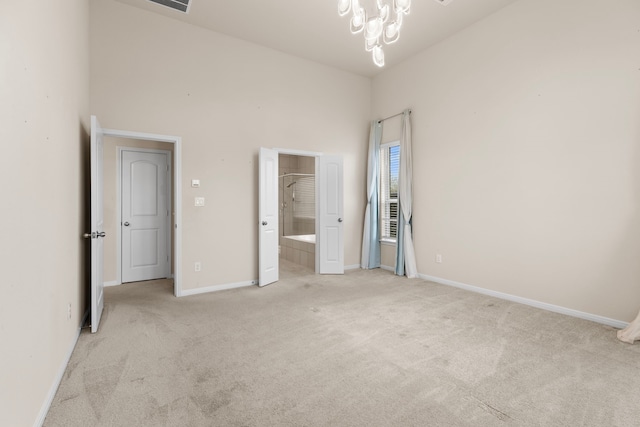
pixel 169 194
pixel 177 194
pixel 316 155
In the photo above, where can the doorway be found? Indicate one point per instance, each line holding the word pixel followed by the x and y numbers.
pixel 329 245
pixel 98 233
pixel 117 141
pixel 297 213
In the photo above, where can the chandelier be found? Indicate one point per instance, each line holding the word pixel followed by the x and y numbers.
pixel 380 23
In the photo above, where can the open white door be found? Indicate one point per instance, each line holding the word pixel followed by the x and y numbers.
pixel 97 224
pixel 268 217
pixel 330 205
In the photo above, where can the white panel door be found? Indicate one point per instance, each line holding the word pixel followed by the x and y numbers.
pixel 145 215
pixel 97 224
pixel 268 217
pixel 330 205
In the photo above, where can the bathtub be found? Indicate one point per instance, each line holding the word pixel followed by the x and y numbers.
pixel 299 249
pixel 310 238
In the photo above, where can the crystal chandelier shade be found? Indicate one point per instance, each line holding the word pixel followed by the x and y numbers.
pixel 380 22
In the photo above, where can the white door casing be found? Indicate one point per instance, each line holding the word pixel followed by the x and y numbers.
pixel 268 217
pixel 97 224
pixel 177 197
pixel 330 240
pixel 145 217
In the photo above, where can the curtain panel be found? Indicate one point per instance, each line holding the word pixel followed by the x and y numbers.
pixel 371 233
pixel 405 254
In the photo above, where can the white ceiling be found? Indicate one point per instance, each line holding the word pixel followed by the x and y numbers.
pixel 313 30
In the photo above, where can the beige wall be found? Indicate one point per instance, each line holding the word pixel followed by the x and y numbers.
pixel 44 97
pixel 225 98
pixel 388 255
pixel 111 228
pixel 526 132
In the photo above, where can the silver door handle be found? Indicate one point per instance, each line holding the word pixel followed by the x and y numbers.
pixel 126 224
pixel 94 235
pixel 264 222
pixel 339 219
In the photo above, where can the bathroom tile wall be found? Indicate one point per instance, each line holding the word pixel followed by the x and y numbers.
pixel 303 253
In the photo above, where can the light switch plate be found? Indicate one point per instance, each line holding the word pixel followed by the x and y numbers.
pixel 199 201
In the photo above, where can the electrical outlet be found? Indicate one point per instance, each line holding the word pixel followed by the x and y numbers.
pixel 439 258
pixel 197 266
pixel 69 312
pixel 199 201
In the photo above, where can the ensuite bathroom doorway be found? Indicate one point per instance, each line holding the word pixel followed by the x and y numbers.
pixel 297 214
pixel 286 210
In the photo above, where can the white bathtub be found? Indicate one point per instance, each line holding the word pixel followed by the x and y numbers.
pixel 299 249
pixel 310 238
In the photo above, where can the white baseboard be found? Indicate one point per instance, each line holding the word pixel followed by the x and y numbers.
pixel 352 267
pixel 216 288
pixel 388 268
pixel 44 410
pixel 533 303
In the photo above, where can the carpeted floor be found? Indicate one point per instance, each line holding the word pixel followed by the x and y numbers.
pixel 364 349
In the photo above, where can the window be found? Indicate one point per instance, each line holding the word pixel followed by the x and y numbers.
pixel 304 197
pixel 389 167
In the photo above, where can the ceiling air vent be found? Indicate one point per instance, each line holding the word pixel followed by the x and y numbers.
pixel 443 2
pixel 181 5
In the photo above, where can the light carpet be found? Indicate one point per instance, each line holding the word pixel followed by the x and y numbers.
pixel 364 349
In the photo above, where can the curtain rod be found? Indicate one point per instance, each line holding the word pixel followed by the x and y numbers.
pixel 391 117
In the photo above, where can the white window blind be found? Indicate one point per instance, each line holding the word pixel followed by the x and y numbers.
pixel 304 202
pixel 389 168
